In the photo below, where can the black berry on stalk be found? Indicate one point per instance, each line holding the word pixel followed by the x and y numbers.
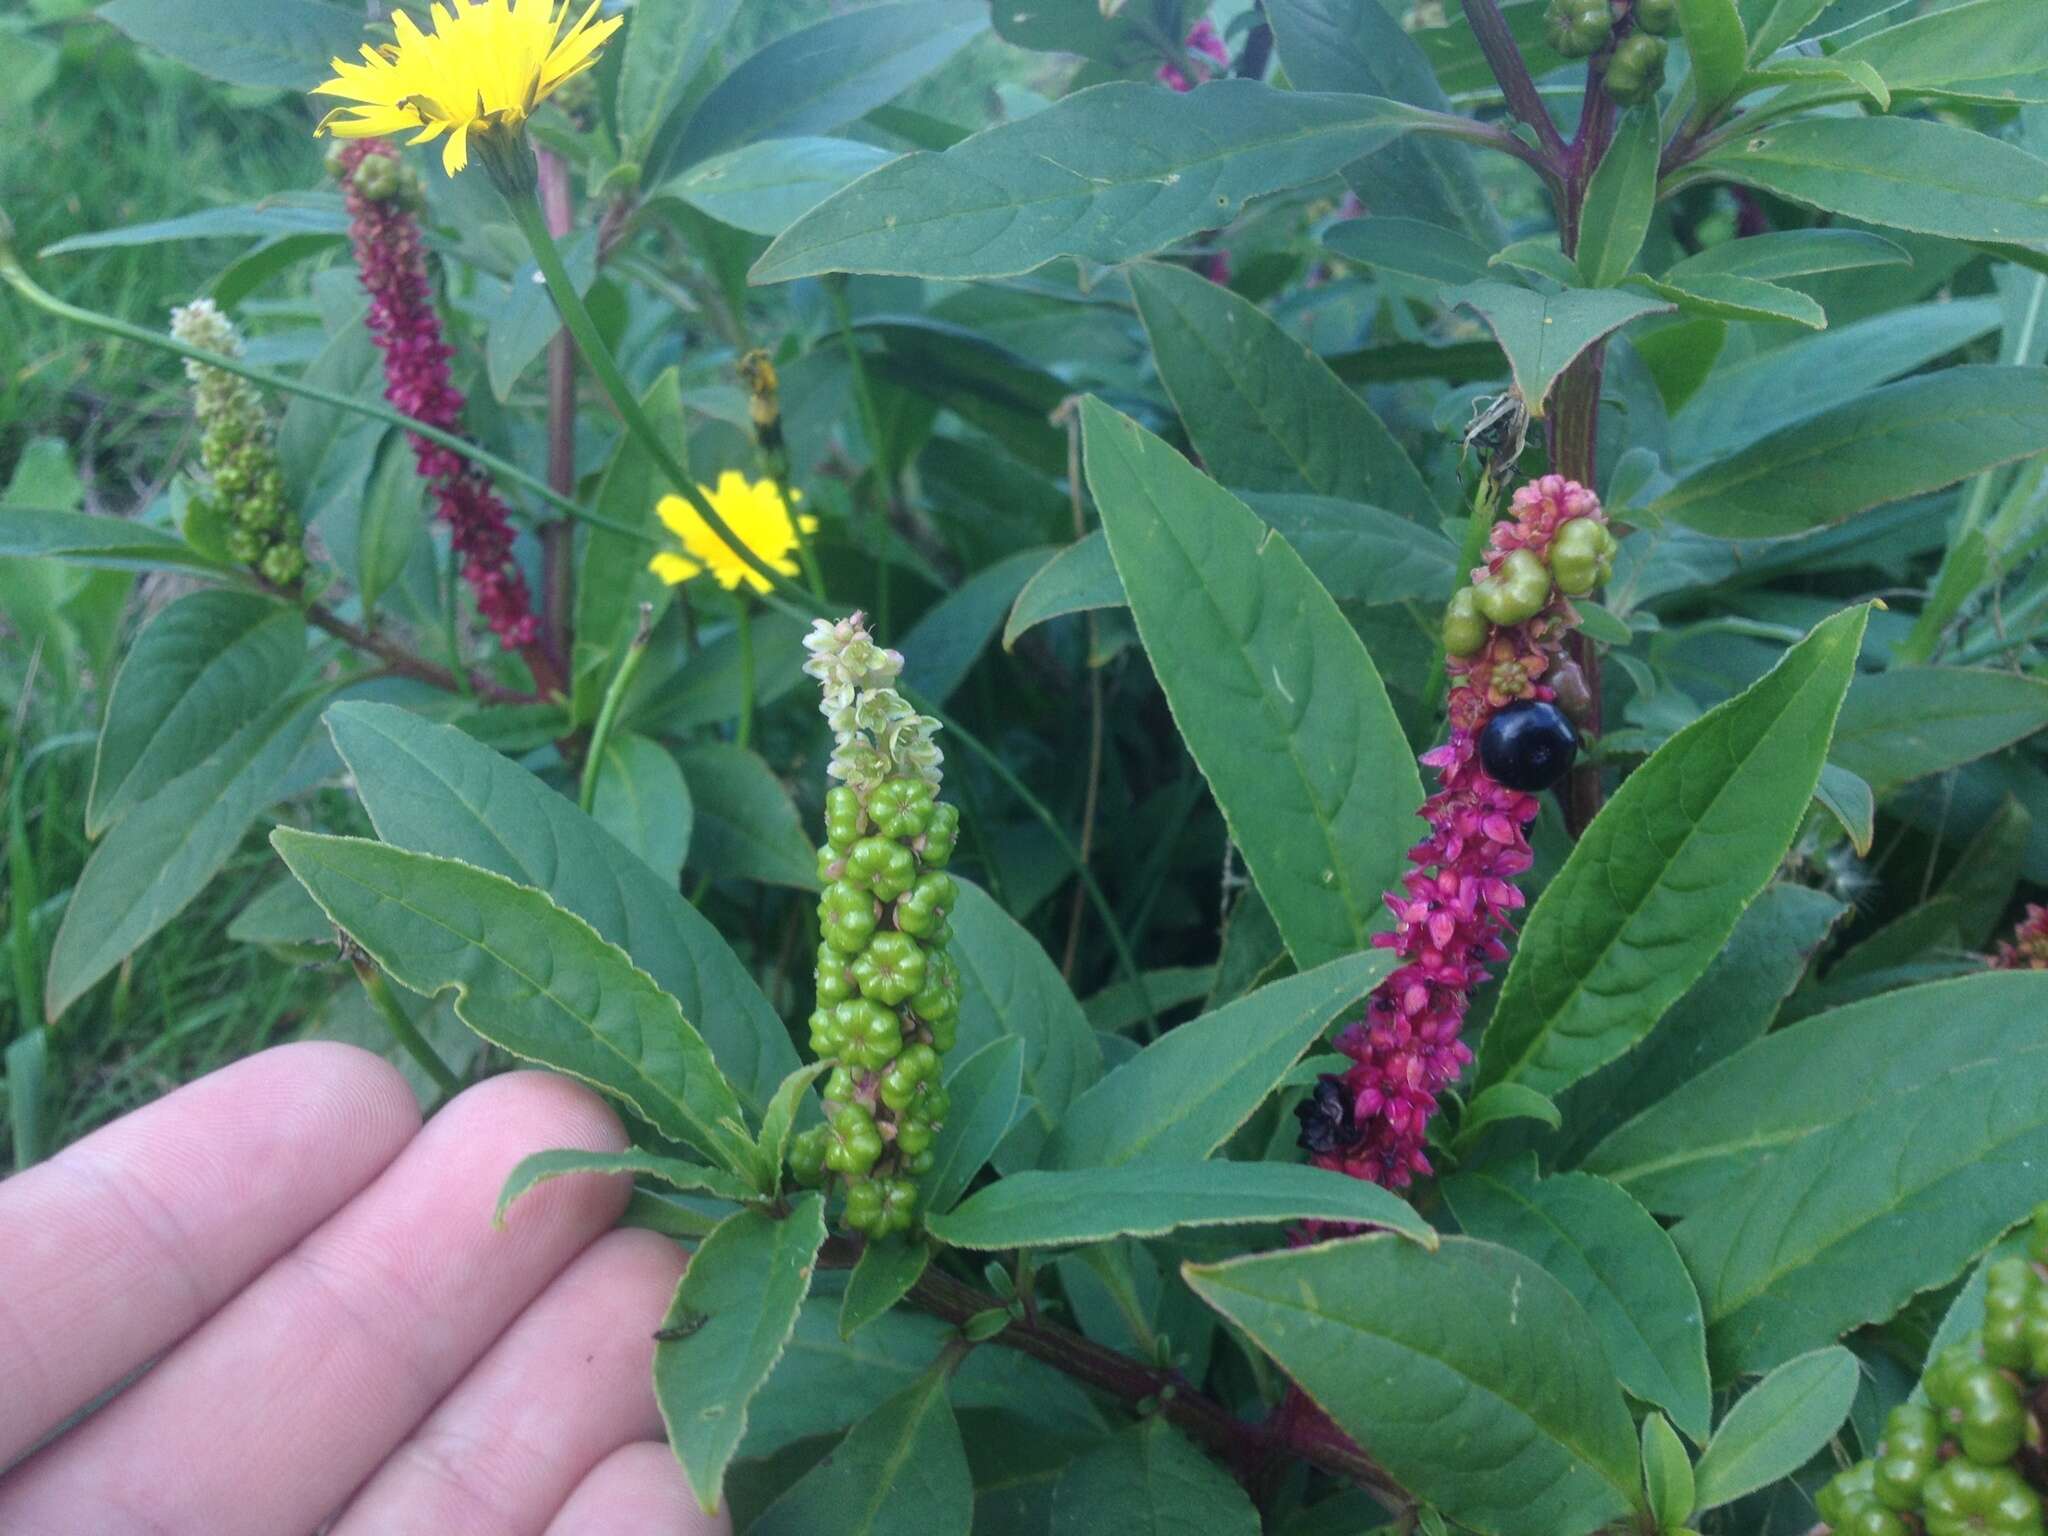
pixel 1528 746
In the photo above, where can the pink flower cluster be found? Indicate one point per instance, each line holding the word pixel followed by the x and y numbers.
pixel 2027 949
pixel 1451 908
pixel 1205 42
pixel 391 257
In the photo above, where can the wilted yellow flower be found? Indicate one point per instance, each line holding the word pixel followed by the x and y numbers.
pixel 756 513
pixel 484 68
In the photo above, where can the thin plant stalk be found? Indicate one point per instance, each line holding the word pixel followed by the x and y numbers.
pixel 402 1028
pixel 608 711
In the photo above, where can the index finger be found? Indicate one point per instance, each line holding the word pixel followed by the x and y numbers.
pixel 123 1243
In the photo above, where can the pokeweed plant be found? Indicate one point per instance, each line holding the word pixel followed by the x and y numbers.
pixel 1632 410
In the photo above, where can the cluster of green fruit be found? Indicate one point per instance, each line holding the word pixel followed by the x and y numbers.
pixel 1634 69
pixel 242 509
pixel 1957 1464
pixel 1581 557
pixel 888 991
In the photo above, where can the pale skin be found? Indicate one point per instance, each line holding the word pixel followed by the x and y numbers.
pixel 341 1339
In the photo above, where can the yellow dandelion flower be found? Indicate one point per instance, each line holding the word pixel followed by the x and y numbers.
pixel 755 512
pixel 482 70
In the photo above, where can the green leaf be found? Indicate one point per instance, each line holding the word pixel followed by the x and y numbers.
pixel 1719 297
pixel 199 670
pixel 1731 1005
pixel 1469 1373
pixel 281 44
pixel 942 647
pixel 1825 79
pixel 1656 884
pixel 1009 987
pixel 1118 1006
pixel 1777 1426
pixel 1049 1208
pixel 165 851
pixel 1503 1102
pixel 1991 51
pixel 746 826
pixel 1265 412
pixel 1149 1479
pixel 521 315
pixel 643 801
pixel 1903 173
pixel 1621 1267
pixel 1541 257
pixel 1619 200
pixel 1916 435
pixel 529 976
pixel 282 914
pixel 985 1090
pixel 764 188
pixel 1078 579
pixel 1543 332
pixel 882 1276
pixel 1360 48
pixel 539 1167
pixel 433 789
pixel 1909 722
pixel 326 451
pixel 1772 24
pixel 1667 1473
pixel 820 77
pixel 1791 253
pixel 1714 39
pixel 1106 174
pixel 80 538
pixel 731 1318
pixel 613 580
pixel 1289 722
pixel 902 1468
pixel 282 213
pixel 1186 1093
pixel 1410 248
pixel 778 1120
pixel 379 537
pixel 1850 801
pixel 667 42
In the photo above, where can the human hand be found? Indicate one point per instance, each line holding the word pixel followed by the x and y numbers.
pixel 336 1324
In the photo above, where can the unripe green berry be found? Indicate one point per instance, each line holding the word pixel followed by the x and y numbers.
pixel 922 909
pixel 1635 71
pixel 901 807
pixel 1964 1499
pixel 870 1035
pixel 846 915
pixel 807 1154
pixel 1582 556
pixel 835 977
pixel 376 177
pixel 891 968
pixel 2037 1234
pixel 1465 628
pixel 1987 1417
pixel 1577 29
pixel 1658 17
pixel 899 1207
pixel 914 1136
pixel 1519 590
pixel 842 817
pixel 284 564
pixel 941 834
pixel 881 866
pixel 864 1205
pixel 1911 1449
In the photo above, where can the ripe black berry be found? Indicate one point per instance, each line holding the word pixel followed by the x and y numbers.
pixel 1325 1116
pixel 1528 746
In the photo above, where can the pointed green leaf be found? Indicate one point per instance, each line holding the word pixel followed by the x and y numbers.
pixel 667 42
pixel 985 1090
pixel 1410 248
pixel 282 44
pixel 1265 412
pixel 433 789
pixel 731 1318
pixel 163 853
pixel 1501 1102
pixel 643 801
pixel 1270 685
pixel 1468 1373
pixel 1050 1208
pixel 1106 174
pixel 1619 201
pixel 1667 1473
pixel 778 1120
pixel 1543 332
pixel 1777 1426
pixel 529 976
pixel 199 670
pixel 1990 51
pixel 1916 435
pixel 1792 253
pixel 672 1171
pixel 941 648
pixel 1903 173
pixel 1720 297
pixel 882 1276
pixel 1187 1092
pixel 902 1468
pixel 1621 1266
pixel 1150 1480
pixel 764 188
pixel 1909 722
pixel 80 538
pixel 1714 39
pixel 1827 79
pixel 1078 579
pixel 1657 882
pixel 746 825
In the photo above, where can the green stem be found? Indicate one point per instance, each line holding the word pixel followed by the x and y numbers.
pixel 1117 938
pixel 870 425
pixel 1476 530
pixel 403 1029
pixel 12 272
pixel 608 712
pixel 526 212
pixel 744 736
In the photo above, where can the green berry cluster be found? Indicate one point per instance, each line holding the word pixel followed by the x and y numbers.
pixel 1580 557
pixel 888 991
pixel 1957 1464
pixel 1577 29
pixel 1635 70
pixel 245 485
